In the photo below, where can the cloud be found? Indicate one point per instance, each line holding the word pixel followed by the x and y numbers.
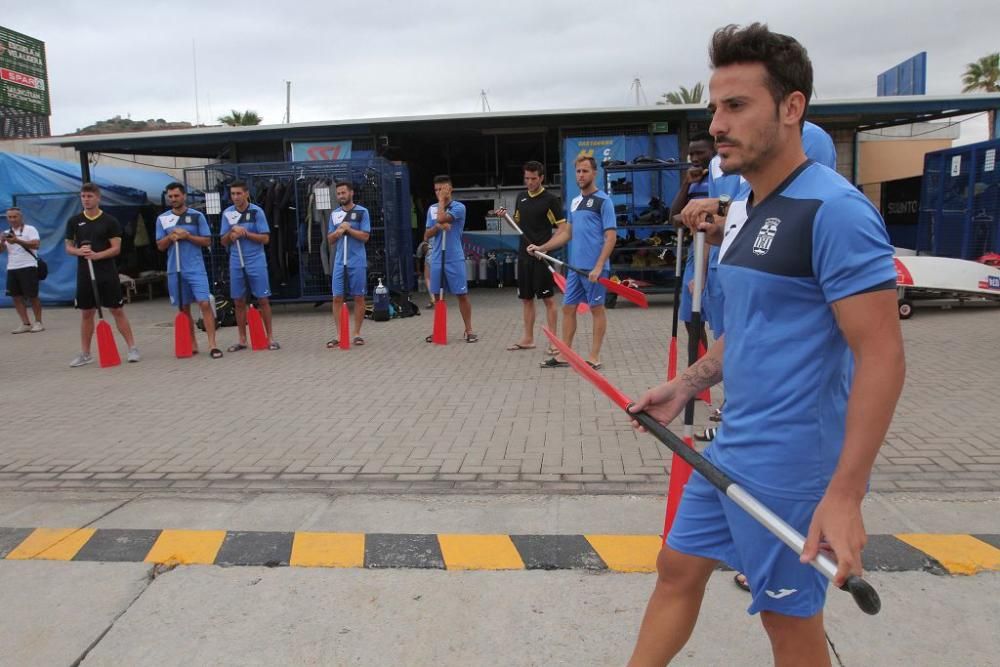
pixel 382 58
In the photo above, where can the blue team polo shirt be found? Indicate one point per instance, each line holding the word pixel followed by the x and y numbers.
pixel 454 252
pixel 194 223
pixel 253 220
pixel 815 240
pixel 590 216
pixel 360 221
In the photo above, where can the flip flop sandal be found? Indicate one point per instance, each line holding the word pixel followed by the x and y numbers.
pixel 273 345
pixel 236 348
pixel 553 363
pixel 740 580
pixel 429 339
pixel 215 353
pixel 358 340
pixel 517 346
pixel 193 352
pixel 471 337
pixel 596 366
pixel 332 343
pixel 552 352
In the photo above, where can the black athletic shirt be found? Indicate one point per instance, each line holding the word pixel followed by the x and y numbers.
pixel 537 215
pixel 98 233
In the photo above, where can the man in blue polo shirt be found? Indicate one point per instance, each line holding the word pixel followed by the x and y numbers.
pixel 591 234
pixel 349 229
pixel 245 231
pixel 446 219
pixel 185 231
pixel 695 185
pixel 812 358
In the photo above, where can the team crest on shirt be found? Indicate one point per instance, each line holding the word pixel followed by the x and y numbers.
pixel 765 237
pixel 590 203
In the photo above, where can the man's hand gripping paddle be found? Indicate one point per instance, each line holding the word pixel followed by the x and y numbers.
pixel 864 595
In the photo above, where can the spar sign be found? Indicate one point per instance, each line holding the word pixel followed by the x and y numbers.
pixel 23 75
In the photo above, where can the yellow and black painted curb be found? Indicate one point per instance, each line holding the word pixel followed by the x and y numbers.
pixel 940 554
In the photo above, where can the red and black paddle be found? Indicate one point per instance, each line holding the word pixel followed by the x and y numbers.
pixel 107 349
pixel 255 323
pixel 183 344
pixel 624 291
pixel 864 595
pixel 440 334
pixel 345 318
pixel 679 280
pixel 558 278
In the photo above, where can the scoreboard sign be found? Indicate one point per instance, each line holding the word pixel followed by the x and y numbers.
pixel 23 76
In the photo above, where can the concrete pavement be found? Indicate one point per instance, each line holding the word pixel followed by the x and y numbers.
pixel 398 415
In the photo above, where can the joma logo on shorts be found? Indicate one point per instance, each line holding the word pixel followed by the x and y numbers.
pixel 782 593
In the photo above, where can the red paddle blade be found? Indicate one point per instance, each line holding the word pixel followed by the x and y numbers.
pixel 440 335
pixel 672 360
pixel 258 335
pixel 560 280
pixel 345 327
pixel 592 376
pixel 680 472
pixel 107 349
pixel 183 345
pixel 626 292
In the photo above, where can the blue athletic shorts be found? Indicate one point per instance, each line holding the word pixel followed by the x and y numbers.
pixel 194 287
pixel 710 525
pixel 580 290
pixel 260 286
pixel 454 278
pixel 356 277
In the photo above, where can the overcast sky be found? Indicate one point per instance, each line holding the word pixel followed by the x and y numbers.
pixel 383 58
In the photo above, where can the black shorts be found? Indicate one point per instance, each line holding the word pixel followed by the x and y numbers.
pixel 23 282
pixel 110 290
pixel 534 280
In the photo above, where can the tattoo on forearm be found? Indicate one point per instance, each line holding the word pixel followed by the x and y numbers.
pixel 702 375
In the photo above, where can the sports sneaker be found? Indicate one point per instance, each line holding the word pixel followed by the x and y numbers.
pixel 133 355
pixel 37 326
pixel 24 328
pixel 81 360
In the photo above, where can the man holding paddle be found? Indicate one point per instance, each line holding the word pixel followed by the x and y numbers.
pixel 245 232
pixel 593 231
pixel 348 231
pixel 182 232
pixel 536 213
pixel 95 238
pixel 812 358
pixel 446 220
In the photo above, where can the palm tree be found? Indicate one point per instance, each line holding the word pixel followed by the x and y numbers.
pixel 236 118
pixel 684 96
pixel 984 75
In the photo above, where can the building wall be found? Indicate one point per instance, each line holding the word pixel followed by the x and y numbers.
pixel 891 160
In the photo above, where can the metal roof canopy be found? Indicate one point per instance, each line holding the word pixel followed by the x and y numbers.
pixel 217 142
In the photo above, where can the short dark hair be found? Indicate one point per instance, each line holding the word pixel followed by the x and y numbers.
pixel 242 185
pixel 90 187
pixel 535 167
pixel 176 186
pixel 442 178
pixel 14 208
pixel 586 158
pixel 702 136
pixel 786 61
pixel 344 184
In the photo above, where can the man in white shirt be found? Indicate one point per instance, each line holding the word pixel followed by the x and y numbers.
pixel 21 242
